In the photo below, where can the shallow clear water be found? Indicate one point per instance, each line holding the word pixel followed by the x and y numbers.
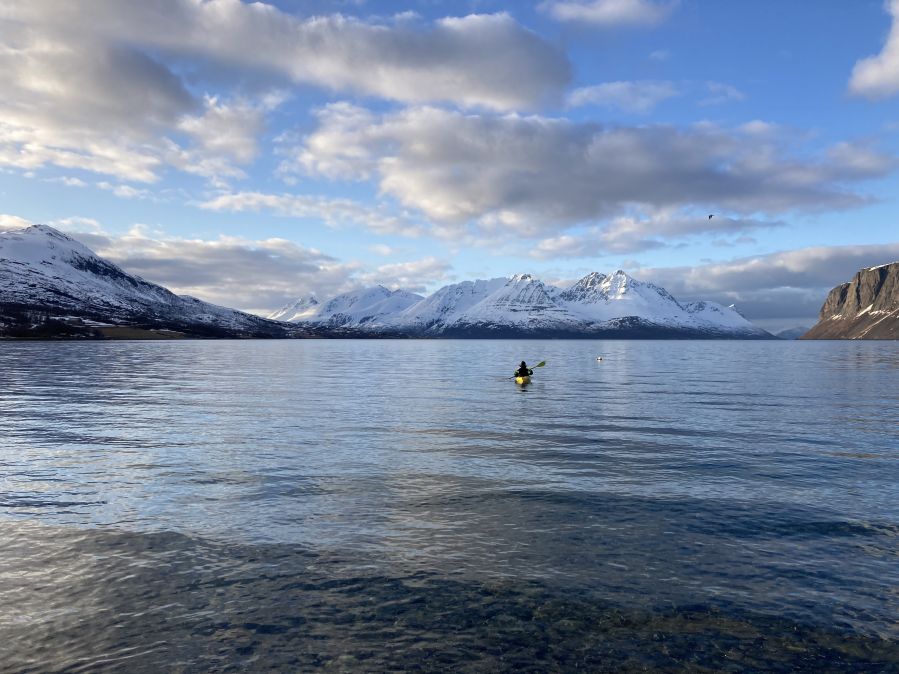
pixel 378 505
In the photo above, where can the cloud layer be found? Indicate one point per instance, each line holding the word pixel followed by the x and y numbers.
pixel 482 60
pixel 257 275
pixel 536 176
pixel 116 86
pixel 777 288
pixel 639 97
pixel 610 12
pixel 628 234
pixel 334 212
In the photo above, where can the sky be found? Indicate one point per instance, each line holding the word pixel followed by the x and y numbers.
pixel 252 153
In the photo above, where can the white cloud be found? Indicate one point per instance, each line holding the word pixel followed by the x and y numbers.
pixel 877 77
pixel 536 177
pixel 628 234
pixel 228 130
pixel 102 86
pixel 640 97
pixel 482 60
pixel 68 181
pixel 382 249
pixel 415 276
pixel 77 103
pixel 610 12
pixel 9 222
pixel 760 128
pixel 812 267
pixel 334 212
pixel 720 93
pixel 125 191
pixel 77 223
pixel 586 244
pixel 860 157
pixel 632 234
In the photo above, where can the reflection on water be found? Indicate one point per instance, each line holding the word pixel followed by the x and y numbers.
pixel 349 506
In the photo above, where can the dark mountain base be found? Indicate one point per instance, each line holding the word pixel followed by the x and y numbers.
pixel 36 322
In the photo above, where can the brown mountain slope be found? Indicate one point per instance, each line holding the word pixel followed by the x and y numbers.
pixel 865 308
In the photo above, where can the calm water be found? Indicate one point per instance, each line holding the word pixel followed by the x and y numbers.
pixel 400 505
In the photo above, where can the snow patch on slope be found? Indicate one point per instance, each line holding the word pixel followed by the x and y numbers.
pixel 299 310
pixel 368 306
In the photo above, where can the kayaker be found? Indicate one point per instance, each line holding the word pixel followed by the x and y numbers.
pixel 524 370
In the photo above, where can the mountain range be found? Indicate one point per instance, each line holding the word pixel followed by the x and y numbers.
pixel 598 305
pixel 52 285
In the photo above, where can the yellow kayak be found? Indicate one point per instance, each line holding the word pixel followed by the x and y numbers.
pixel 522 380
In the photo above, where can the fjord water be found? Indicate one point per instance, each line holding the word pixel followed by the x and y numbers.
pixel 402 505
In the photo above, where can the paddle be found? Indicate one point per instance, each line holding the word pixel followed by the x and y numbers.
pixel 540 364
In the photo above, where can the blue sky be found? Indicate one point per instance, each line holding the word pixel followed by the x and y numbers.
pixel 252 154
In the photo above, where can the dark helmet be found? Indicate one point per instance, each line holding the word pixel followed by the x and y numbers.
pixel 523 364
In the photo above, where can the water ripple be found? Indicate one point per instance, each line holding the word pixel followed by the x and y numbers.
pixel 396 505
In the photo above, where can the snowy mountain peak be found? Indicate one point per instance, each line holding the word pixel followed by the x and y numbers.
pixel 42 243
pixel 61 258
pixel 521 278
pixel 587 290
pixel 45 230
pixel 618 283
pixel 591 280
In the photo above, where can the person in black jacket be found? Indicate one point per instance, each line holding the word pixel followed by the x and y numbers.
pixel 524 370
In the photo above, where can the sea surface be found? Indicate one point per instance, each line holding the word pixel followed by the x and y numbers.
pixel 378 506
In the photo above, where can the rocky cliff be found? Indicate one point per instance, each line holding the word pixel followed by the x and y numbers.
pixel 865 308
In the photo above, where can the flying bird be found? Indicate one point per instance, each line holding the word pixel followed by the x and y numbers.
pixel 711 216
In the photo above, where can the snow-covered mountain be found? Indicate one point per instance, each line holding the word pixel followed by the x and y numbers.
pixel 598 298
pixel 522 304
pixel 300 310
pixel 445 306
pixel 46 277
pixel 597 305
pixel 358 308
pixel 46 273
